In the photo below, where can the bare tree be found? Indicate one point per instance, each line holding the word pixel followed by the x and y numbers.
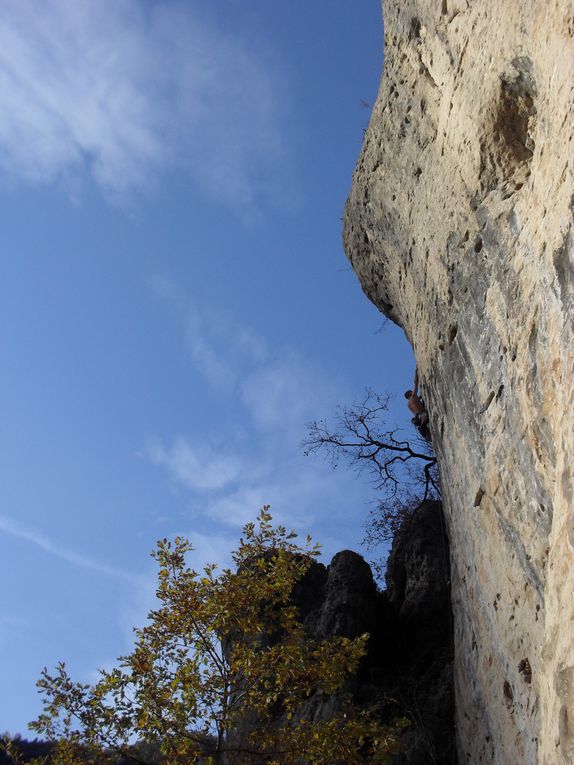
pixel 403 472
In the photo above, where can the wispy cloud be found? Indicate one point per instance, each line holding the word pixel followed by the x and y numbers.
pixel 221 348
pixel 199 466
pixel 286 392
pixel 123 90
pixel 255 458
pixel 17 530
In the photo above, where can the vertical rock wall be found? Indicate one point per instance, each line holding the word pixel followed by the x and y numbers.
pixel 458 226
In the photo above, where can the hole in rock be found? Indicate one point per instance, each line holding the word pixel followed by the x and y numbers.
pixel 508 144
pixel 525 670
pixel 415 30
pixel 566 733
pixel 452 330
pixel 488 402
pixel 508 694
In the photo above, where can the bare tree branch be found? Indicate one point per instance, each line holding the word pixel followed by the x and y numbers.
pixel 403 472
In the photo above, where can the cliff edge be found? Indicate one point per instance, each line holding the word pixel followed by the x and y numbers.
pixel 459 227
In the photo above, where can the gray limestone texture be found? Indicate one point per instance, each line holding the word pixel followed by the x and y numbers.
pixel 459 227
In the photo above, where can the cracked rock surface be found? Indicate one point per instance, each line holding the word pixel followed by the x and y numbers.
pixel 459 227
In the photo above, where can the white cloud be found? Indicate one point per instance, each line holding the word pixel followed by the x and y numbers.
pixel 259 460
pixel 286 392
pixel 210 548
pixel 15 529
pixel 221 348
pixel 280 391
pixel 299 491
pixel 238 507
pixel 125 90
pixel 202 467
pixel 207 357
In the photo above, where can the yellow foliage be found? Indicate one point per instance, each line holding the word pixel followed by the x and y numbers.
pixel 218 648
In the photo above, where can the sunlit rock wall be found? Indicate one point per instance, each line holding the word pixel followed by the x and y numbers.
pixel 459 227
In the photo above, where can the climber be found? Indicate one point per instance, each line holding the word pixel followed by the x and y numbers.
pixel 417 407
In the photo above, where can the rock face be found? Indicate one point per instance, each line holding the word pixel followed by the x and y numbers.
pixel 408 668
pixel 458 226
pixel 415 637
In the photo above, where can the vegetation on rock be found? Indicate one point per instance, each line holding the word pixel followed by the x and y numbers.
pixel 221 647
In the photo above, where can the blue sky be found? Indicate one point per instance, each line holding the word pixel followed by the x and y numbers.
pixel 175 303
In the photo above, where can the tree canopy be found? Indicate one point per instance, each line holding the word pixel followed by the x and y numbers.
pixel 221 648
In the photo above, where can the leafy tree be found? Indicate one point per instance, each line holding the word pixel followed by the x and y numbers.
pixel 403 471
pixel 221 649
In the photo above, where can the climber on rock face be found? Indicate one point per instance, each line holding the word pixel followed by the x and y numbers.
pixel 415 403
pixel 417 407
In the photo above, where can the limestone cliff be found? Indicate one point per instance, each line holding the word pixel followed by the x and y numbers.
pixel 459 227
